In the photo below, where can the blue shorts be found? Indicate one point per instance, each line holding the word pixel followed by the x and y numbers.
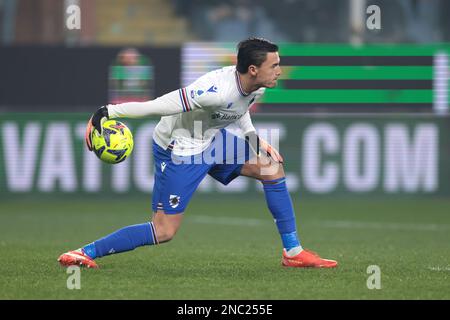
pixel 177 177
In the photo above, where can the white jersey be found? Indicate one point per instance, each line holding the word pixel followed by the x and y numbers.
pixel 211 103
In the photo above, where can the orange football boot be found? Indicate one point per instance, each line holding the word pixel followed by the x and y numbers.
pixel 307 259
pixel 76 258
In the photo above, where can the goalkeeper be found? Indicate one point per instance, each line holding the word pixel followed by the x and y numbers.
pixel 191 129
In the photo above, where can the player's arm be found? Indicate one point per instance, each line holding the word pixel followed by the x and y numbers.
pixel 195 96
pixel 171 103
pixel 255 142
pixel 201 94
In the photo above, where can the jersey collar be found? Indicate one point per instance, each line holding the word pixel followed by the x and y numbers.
pixel 239 85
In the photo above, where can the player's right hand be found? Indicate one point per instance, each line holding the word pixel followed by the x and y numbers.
pixel 95 122
pixel 271 151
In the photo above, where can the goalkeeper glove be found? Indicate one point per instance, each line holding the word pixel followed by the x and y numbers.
pixel 96 122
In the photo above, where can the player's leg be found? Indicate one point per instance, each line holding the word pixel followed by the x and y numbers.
pixel 174 186
pixel 161 229
pixel 243 161
pixel 122 240
pixel 271 174
pixel 166 225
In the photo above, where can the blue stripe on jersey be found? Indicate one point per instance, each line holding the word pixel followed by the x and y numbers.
pixel 182 102
pixel 186 100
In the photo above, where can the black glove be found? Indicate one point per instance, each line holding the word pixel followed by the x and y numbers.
pixel 100 116
pixel 95 122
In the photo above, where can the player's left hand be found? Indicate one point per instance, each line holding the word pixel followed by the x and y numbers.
pixel 271 151
pixel 95 122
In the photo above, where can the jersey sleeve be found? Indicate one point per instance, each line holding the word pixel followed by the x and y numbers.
pixel 245 124
pixel 168 104
pixel 204 93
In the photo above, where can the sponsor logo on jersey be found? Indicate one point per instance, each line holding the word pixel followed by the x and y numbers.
pixel 229 105
pixel 223 116
pixel 163 166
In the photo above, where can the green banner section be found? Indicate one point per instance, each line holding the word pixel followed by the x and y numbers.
pixel 357 73
pixel 347 96
pixel 380 63
pixel 333 156
pixel 291 49
pixel 398 77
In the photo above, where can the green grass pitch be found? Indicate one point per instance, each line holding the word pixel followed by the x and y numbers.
pixel 228 248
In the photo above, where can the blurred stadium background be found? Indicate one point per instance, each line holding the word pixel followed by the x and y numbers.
pixel 362 116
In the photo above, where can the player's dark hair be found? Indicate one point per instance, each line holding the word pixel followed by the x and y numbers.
pixel 253 51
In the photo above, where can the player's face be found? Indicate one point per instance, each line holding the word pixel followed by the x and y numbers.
pixel 267 74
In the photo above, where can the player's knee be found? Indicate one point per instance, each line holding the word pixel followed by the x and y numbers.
pixel 165 231
pixel 165 236
pixel 276 171
pixel 272 172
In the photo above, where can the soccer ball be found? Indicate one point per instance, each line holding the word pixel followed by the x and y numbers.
pixel 115 144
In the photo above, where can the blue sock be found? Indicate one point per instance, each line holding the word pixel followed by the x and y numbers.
pixel 125 239
pixel 280 205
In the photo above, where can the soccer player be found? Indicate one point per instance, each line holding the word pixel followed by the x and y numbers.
pixel 191 129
